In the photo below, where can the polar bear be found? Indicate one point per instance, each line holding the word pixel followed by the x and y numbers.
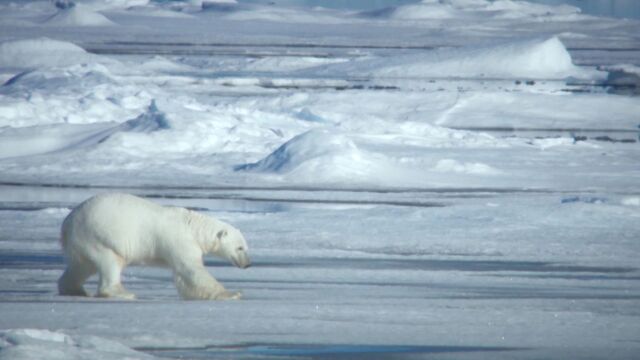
pixel 110 231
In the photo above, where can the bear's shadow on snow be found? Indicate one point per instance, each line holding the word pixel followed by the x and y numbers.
pixel 31 260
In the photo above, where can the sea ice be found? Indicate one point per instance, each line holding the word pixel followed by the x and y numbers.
pixel 461 175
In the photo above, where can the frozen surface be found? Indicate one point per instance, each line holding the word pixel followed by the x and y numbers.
pixel 462 274
pixel 456 179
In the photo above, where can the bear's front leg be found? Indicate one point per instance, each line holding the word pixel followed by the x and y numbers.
pixel 228 295
pixel 195 283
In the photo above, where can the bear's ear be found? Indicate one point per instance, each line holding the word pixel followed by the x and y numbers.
pixel 221 234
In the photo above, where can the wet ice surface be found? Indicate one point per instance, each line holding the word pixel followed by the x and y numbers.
pixel 408 189
pixel 492 274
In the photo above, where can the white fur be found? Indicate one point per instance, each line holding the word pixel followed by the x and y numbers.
pixel 108 232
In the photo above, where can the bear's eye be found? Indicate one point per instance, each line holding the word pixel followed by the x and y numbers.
pixel 240 248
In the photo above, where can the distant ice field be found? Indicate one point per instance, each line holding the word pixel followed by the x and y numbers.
pixel 612 8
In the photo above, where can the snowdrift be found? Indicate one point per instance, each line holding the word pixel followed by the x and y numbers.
pixel 333 157
pixel 319 154
pixel 533 59
pixel 78 15
pixel 68 137
pixel 77 76
pixel 41 52
pixel 80 94
pixel 152 120
pixel 33 140
pixel 318 147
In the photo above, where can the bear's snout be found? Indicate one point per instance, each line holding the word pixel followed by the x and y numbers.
pixel 241 260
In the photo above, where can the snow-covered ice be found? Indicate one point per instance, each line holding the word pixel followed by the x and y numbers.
pixel 45 344
pixel 453 178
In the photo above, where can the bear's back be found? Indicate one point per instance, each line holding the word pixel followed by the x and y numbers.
pixel 115 220
pixel 112 208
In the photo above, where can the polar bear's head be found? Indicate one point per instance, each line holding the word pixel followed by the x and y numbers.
pixel 233 247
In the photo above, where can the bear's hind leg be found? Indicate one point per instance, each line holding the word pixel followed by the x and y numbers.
pixel 110 267
pixel 74 276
